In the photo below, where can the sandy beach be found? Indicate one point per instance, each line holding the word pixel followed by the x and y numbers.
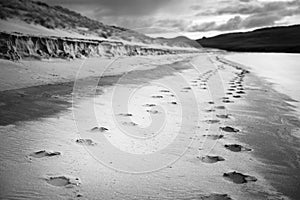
pixel 192 127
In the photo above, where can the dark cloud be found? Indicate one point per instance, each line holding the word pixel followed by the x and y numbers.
pixel 232 24
pixel 115 7
pixel 203 27
pixel 259 20
pixel 140 14
pixel 236 23
pixel 259 14
pixel 172 24
pixel 260 8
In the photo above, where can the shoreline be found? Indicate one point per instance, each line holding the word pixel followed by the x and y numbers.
pixel 270 128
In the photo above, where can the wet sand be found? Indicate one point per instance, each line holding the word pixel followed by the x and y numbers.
pixel 271 122
pixel 56 147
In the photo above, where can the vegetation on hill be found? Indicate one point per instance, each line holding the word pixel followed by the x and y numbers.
pixel 273 39
pixel 57 17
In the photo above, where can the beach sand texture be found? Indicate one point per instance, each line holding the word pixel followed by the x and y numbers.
pixel 67 139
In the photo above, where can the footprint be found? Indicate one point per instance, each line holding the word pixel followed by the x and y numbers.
pixel 130 124
pixel 174 102
pixel 236 147
pixel 187 88
pixel 44 153
pixel 227 101
pixel 212 121
pixel 152 111
pixel 101 129
pixel 61 181
pixel 209 110
pixel 229 93
pixel 229 129
pixel 239 178
pixel 231 89
pixel 223 116
pixel 87 142
pixel 211 159
pixel 150 105
pixel 214 137
pixel 240 92
pixel 220 107
pixel 157 97
pixel 236 96
pixel 165 91
pixel 211 102
pixel 125 114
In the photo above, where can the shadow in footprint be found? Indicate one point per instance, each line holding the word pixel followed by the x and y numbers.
pixel 61 181
pixel 236 147
pixel 100 129
pixel 125 114
pixel 150 105
pixel 212 121
pixel 209 110
pixel 227 101
pixel 129 124
pixel 157 97
pixel 87 142
pixel 150 111
pixel 220 107
pixel 229 129
pixel 222 116
pixel 44 153
pixel 211 159
pixel 214 137
pixel 239 178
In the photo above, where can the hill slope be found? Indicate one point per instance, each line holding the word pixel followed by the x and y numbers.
pixel 59 18
pixel 275 39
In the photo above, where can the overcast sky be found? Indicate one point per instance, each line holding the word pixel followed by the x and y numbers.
pixel 192 18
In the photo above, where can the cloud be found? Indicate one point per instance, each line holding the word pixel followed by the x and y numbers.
pixel 254 14
pixel 176 15
pixel 236 23
pixel 115 7
pixel 172 24
pixel 203 27
pixel 255 7
pixel 232 24
pixel 260 20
